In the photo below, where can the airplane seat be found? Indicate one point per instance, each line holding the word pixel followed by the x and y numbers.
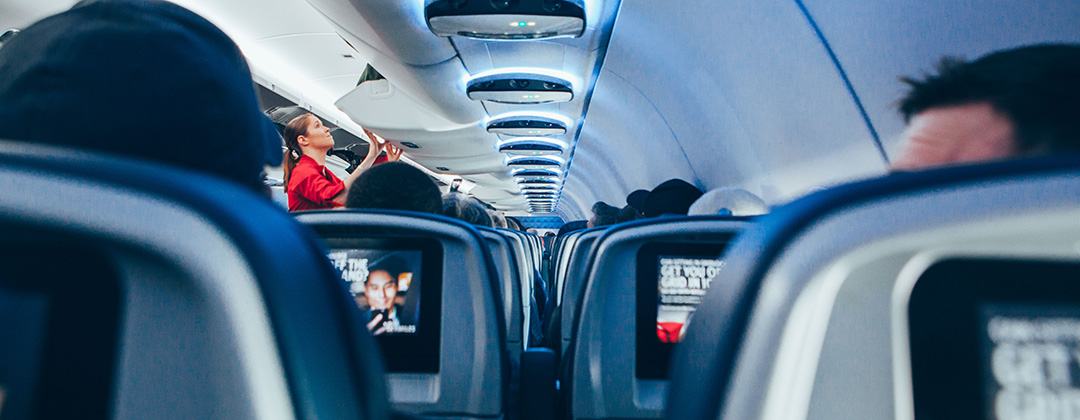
pixel 529 281
pixel 949 293
pixel 447 354
pixel 578 254
pixel 562 257
pixel 517 323
pixel 642 286
pixel 134 289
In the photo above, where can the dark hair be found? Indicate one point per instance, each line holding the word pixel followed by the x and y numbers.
pixel 463 207
pixel 604 214
pixel 514 223
pixel 1036 87
pixel 293 130
pixel 394 186
pixel 497 219
pixel 391 264
pixel 629 214
pixel 157 65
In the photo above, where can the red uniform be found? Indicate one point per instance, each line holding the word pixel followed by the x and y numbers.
pixel 311 186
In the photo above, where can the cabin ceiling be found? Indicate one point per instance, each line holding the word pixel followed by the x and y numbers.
pixel 719 92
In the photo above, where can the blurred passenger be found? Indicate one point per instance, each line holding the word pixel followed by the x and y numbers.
pixel 572 226
pixel 497 218
pixel 729 201
pixel 629 214
pixel 532 231
pixel 463 207
pixel 1018 102
pixel 395 186
pixel 145 79
pixel 672 197
pixel 307 182
pixel 514 223
pixel 604 214
pixel 636 199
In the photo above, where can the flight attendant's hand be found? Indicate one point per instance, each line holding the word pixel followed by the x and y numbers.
pixel 393 153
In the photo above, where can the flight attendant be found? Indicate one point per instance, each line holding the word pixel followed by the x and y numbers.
pixel 308 184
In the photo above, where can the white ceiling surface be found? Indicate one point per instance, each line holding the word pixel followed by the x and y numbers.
pixel 749 94
pixel 21 13
pixel 426 103
pixel 879 41
pixel 719 93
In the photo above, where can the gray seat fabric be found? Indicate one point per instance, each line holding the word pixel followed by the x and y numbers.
pixel 517 322
pixel 529 283
pixel 571 285
pixel 601 362
pixel 138 282
pixel 816 321
pixel 473 372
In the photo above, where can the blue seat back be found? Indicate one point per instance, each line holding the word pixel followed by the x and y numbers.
pixel 822 319
pixel 611 363
pixel 472 372
pixel 191 297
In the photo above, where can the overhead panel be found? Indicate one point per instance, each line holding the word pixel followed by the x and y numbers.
pixel 506 19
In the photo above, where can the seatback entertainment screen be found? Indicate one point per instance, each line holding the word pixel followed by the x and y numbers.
pixel 385 285
pixel 397 286
pixel 672 279
pixel 996 340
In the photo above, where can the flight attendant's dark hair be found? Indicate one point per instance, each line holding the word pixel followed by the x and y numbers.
pixel 293 130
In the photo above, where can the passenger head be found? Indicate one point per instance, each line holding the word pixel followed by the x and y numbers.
pixel 629 214
pixel 142 78
pixel 1018 102
pixel 394 186
pixel 572 226
pixel 463 207
pixel 636 199
pixel 673 196
pixel 381 286
pixel 497 218
pixel 514 223
pixel 729 202
pixel 604 214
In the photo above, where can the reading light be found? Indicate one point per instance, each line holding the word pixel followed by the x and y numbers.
pixel 532 146
pixel 519 89
pixel 523 125
pixel 506 19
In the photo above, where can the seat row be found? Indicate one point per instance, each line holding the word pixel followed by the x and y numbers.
pixel 138 291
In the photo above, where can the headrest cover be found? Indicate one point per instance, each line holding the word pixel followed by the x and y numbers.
pixel 141 78
pixel 673 196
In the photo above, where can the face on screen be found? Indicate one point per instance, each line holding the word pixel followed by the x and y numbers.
pixel 385 285
pixel 381 289
pixel 681 286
